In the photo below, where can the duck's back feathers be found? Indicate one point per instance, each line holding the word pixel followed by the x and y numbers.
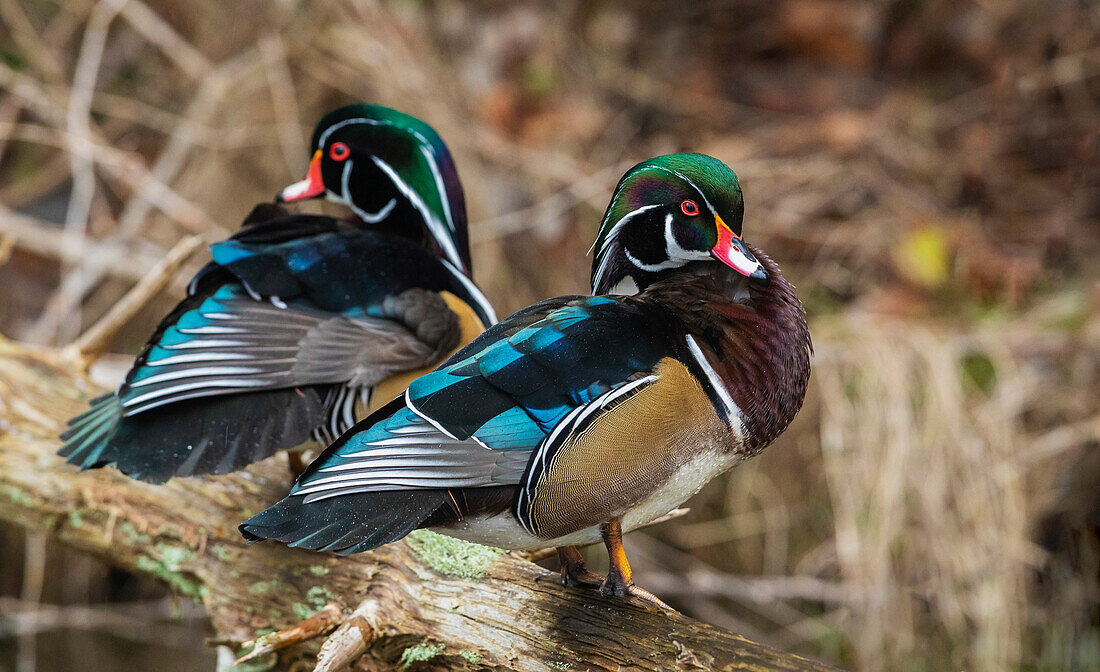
pixel 282 334
pixel 494 415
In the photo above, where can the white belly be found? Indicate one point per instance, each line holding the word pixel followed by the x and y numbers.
pixel 504 531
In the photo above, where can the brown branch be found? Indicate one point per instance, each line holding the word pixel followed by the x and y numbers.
pixel 459 605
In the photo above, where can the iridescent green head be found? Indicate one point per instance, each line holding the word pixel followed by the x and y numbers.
pixel 667 212
pixel 394 172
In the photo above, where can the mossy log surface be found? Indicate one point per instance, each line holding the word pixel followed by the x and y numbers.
pixel 426 603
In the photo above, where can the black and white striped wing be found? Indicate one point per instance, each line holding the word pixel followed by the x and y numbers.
pixel 235 343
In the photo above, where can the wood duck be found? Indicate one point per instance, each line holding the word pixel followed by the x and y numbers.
pixel 301 320
pixel 579 418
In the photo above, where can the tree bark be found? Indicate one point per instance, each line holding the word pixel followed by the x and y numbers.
pixel 429 602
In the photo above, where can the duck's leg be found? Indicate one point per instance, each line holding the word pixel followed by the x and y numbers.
pixel 619 581
pixel 573 571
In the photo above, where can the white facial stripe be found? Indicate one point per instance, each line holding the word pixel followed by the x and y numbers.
pixel 653 268
pixel 673 248
pixel 603 256
pixel 693 185
pixel 368 217
pixel 430 158
pixel 445 241
pixel 619 225
pixel 732 411
pixel 434 225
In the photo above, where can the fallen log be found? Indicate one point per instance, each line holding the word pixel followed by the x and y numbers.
pixel 429 602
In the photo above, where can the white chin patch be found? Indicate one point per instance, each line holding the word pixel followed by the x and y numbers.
pixel 625 286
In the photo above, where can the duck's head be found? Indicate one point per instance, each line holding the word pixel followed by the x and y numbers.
pixel 667 212
pixel 394 172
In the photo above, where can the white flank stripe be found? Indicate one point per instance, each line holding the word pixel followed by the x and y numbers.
pixel 716 383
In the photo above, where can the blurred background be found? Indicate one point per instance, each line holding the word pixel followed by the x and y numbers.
pixel 926 171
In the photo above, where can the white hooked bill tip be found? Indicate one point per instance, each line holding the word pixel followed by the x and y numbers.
pixel 311 187
pixel 731 251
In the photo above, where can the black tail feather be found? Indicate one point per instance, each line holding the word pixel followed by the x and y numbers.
pixel 210 435
pixel 345 524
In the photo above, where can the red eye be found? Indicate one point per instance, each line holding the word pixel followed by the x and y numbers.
pixel 339 151
pixel 689 208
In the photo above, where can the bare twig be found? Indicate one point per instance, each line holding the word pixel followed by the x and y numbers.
pixel 34 574
pixel 96 339
pixel 7 244
pixel 284 99
pixel 45 239
pixel 29 41
pixel 82 166
pixel 161 33
pixel 324 620
pixel 591 189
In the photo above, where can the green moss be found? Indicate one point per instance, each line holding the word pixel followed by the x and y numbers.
pixel 420 653
pixel 76 519
pixel 130 534
pixel 472 657
pixel 319 596
pixel 451 556
pixel 264 587
pixel 16 495
pixel 318 570
pixel 558 665
pixel 221 552
pixel 173 556
pixel 302 611
pixel 170 574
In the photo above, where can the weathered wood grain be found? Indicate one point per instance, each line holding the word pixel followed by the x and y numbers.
pixel 426 603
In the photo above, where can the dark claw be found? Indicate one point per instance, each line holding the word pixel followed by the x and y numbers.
pixel 614 585
pixel 580 578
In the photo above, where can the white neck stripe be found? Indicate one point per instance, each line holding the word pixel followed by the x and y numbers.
pixel 732 411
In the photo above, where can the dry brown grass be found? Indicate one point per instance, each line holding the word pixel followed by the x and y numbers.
pixel 953 412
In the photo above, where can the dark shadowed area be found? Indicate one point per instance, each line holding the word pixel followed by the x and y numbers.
pixel 926 172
